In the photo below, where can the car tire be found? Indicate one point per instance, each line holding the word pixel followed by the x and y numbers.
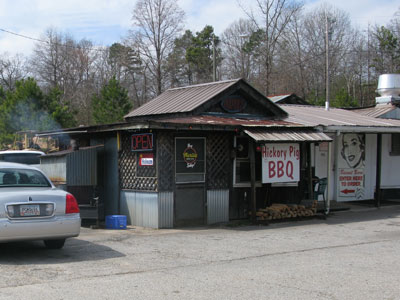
pixel 54 244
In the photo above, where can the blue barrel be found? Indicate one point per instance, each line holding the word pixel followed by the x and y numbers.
pixel 116 222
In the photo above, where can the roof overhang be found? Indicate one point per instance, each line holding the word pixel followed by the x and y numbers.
pixel 361 129
pixel 287 135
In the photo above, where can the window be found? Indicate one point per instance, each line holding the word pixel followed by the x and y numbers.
pixel 190 159
pixel 22 158
pixel 241 166
pixel 22 178
pixel 395 149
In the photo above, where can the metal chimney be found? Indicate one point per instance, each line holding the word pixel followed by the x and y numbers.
pixel 388 89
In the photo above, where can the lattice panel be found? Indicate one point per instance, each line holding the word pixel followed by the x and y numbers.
pixel 166 171
pixel 145 180
pixel 218 161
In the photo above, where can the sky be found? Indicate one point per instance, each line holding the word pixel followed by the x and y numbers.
pixel 107 21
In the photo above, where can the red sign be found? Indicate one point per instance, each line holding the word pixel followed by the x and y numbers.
pixel 142 142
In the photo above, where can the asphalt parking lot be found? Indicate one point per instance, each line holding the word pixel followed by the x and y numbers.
pixel 351 255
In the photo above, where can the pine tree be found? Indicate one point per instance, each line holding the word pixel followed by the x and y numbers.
pixel 111 104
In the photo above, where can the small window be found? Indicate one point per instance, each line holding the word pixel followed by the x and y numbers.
pixel 242 163
pixel 395 150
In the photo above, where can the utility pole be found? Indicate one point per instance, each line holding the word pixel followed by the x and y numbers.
pixel 327 60
pixel 214 62
pixel 368 63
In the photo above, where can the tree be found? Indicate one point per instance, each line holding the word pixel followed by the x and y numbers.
pixel 387 57
pixel 26 108
pixel 127 68
pixel 199 55
pixel 12 69
pixel 59 111
pixel 61 62
pixel 179 70
pixel 158 24
pixel 271 19
pixel 239 61
pixel 111 104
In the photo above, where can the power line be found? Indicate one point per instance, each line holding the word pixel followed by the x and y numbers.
pixel 95 48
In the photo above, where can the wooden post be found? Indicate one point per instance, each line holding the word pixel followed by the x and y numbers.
pixel 378 171
pixel 309 172
pixel 253 180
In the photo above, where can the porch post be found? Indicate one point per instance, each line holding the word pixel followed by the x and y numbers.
pixel 309 172
pixel 328 179
pixel 253 180
pixel 378 171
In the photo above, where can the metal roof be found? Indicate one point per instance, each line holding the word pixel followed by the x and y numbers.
pixel 227 121
pixel 183 99
pixel 287 135
pixel 197 99
pixel 375 111
pixel 287 99
pixel 318 115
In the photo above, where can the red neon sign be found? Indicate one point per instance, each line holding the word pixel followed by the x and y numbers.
pixel 142 142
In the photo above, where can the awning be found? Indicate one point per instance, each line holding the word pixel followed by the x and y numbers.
pixel 287 135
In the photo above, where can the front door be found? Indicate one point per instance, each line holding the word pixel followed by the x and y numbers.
pixel 190 171
pixel 189 205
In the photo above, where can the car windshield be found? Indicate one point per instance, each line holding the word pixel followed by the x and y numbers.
pixel 22 177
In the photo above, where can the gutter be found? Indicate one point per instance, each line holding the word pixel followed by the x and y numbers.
pixel 361 129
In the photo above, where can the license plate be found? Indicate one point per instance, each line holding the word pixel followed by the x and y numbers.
pixel 29 210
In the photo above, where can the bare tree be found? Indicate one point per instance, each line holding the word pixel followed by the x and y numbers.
pixel 158 23
pixel 271 18
pixel 237 61
pixel 61 62
pixel 12 69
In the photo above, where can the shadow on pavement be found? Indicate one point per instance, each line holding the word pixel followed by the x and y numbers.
pixel 34 252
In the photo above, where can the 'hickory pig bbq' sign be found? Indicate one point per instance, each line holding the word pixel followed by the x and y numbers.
pixel 280 163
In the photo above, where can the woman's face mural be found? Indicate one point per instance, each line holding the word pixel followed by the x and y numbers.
pixel 353 152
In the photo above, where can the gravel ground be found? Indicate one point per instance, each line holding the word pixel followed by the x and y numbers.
pixel 351 255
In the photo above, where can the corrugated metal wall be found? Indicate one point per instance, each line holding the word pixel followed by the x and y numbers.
pixel 55 168
pixel 166 209
pixel 82 167
pixel 217 206
pixel 140 208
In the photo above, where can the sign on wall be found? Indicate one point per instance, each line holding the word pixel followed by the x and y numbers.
pixel 351 167
pixel 280 163
pixel 142 142
pixel 190 159
pixel 146 159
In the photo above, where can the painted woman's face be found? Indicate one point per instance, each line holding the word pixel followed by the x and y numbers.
pixel 352 149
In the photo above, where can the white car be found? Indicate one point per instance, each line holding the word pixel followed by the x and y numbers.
pixel 32 208
pixel 28 157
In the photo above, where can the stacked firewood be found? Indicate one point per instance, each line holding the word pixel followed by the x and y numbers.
pixel 284 211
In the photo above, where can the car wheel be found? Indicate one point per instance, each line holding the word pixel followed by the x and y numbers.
pixel 54 244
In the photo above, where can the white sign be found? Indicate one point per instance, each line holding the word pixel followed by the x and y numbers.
pixel 351 183
pixel 280 163
pixel 350 167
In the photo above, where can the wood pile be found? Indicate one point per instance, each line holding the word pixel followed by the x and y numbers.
pixel 285 211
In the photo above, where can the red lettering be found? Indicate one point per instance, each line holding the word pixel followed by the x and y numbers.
pixel 271 168
pixel 280 169
pixel 289 170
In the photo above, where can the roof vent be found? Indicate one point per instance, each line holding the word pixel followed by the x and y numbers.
pixel 388 88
